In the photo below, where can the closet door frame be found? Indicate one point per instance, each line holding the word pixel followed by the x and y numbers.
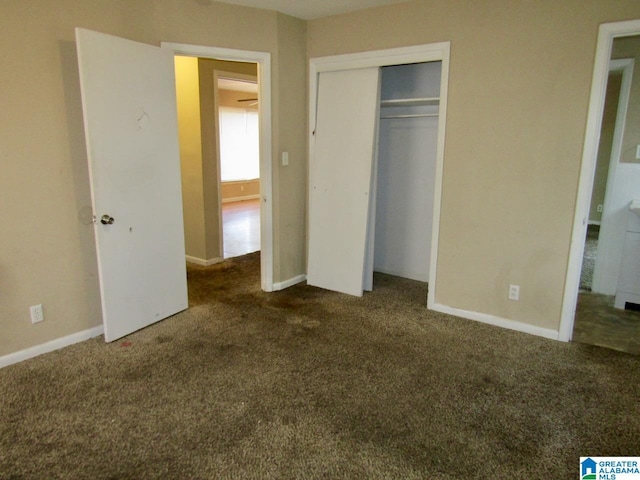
pixel 433 52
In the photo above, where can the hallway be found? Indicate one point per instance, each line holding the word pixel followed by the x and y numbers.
pixel 241 227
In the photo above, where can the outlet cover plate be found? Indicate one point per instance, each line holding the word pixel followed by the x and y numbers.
pixel 37 314
pixel 514 292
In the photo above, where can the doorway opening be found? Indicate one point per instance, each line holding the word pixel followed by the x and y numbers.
pixel 610 180
pixel 261 64
pixel 218 123
pixel 598 321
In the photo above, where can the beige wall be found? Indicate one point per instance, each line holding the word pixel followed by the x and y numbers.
pixel 47 252
pixel 290 193
pixel 188 104
pixel 605 145
pixel 237 190
pixel 518 96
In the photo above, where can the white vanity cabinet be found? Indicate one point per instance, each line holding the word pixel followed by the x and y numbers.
pixel 628 290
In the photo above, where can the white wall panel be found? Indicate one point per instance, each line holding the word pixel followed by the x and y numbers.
pixel 404 212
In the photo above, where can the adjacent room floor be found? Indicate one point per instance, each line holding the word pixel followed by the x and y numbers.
pixel 241 227
pixel 597 322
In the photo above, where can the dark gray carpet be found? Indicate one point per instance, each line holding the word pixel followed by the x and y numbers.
pixel 589 257
pixel 307 383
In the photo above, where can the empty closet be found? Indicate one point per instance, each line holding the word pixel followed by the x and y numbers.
pixel 372 174
pixel 408 135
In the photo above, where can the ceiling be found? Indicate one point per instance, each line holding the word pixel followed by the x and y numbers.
pixel 237 85
pixel 308 9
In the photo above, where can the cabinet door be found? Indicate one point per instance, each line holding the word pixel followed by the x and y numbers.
pixel 340 178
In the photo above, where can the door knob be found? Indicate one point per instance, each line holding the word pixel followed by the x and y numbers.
pixel 107 220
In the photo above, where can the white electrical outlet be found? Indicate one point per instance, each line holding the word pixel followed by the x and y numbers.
pixel 514 292
pixel 37 314
pixel 599 208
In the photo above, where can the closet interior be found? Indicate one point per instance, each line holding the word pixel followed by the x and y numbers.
pixel 407 144
pixel 372 175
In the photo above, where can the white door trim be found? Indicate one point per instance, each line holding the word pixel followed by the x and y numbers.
pixel 433 52
pixel 609 255
pixel 606 35
pixel 263 59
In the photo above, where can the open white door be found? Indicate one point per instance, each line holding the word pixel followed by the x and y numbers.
pixel 129 103
pixel 340 178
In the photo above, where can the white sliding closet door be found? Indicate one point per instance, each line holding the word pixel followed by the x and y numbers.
pixel 340 178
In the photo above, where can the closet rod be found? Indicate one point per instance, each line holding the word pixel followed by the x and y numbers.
pixel 413 115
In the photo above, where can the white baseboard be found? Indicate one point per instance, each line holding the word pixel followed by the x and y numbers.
pixel 240 199
pixel 594 222
pixel 289 283
pixel 202 261
pixel 498 321
pixel 50 346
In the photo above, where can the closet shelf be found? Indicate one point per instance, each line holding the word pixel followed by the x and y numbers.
pixel 410 102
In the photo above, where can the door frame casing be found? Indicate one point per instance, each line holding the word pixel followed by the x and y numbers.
pixel 606 34
pixel 433 52
pixel 263 59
